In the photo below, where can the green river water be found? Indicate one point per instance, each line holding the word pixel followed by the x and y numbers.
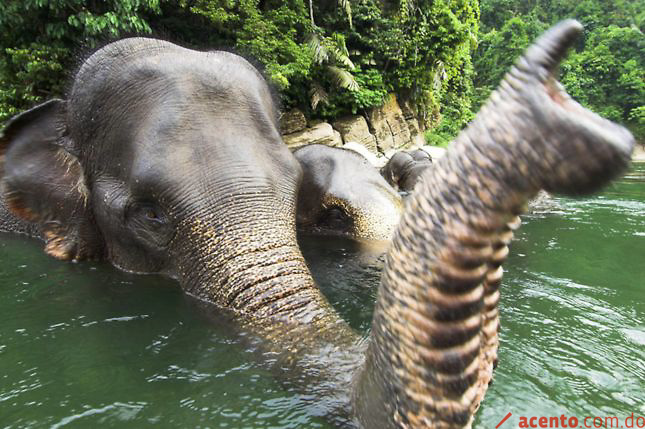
pixel 84 345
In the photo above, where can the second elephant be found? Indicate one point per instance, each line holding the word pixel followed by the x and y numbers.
pixel 404 169
pixel 342 193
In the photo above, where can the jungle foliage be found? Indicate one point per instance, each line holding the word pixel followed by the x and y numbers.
pixel 40 39
pixel 605 72
pixel 335 57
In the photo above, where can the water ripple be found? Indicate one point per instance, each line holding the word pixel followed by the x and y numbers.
pixel 118 410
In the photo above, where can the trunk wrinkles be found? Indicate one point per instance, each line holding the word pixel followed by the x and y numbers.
pixel 435 328
pixel 262 276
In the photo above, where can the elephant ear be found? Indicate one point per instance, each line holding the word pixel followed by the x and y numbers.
pixel 43 181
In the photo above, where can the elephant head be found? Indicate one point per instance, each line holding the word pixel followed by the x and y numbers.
pixel 404 169
pixel 342 193
pixel 166 159
pixel 162 159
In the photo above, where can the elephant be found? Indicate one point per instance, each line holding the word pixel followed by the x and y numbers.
pixel 404 169
pixel 420 155
pixel 164 159
pixel 342 193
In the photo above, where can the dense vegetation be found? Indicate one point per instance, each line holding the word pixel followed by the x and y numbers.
pixel 333 57
pixel 606 72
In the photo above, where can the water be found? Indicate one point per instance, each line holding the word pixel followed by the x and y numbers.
pixel 83 345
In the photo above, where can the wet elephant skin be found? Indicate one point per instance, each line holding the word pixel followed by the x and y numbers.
pixel 342 193
pixel 404 169
pixel 169 160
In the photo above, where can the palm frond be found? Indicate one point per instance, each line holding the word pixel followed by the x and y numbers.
pixel 342 78
pixel 317 45
pixel 317 95
pixel 338 41
pixel 338 49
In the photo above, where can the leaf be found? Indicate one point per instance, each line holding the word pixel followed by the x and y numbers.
pixel 342 78
pixel 339 51
pixel 321 54
pixel 318 95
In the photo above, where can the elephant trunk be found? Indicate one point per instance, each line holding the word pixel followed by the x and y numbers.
pixel 253 266
pixel 434 333
pixel 253 249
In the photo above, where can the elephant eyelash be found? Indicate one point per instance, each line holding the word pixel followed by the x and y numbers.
pixel 148 212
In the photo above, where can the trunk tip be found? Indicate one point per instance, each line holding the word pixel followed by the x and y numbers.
pixel 552 47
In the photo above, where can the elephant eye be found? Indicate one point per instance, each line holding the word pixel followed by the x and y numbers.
pixel 336 219
pixel 150 224
pixel 151 214
pixel 148 213
pixel 336 214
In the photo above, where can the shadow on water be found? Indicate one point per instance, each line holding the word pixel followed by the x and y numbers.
pixel 84 345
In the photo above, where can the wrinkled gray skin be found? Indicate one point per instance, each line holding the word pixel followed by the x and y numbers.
pixel 342 193
pixel 169 160
pixel 404 169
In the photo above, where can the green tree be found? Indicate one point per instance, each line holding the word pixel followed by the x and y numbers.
pixel 331 53
pixel 39 38
pixel 498 49
pixel 605 72
pixel 421 48
pixel 608 77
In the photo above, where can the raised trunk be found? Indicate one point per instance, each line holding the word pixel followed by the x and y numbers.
pixel 434 333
